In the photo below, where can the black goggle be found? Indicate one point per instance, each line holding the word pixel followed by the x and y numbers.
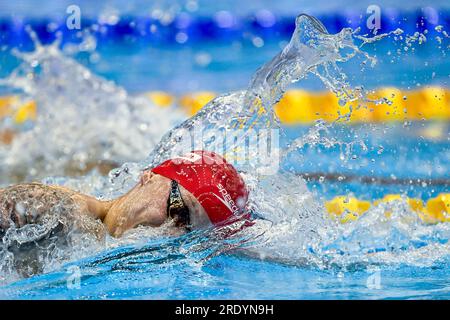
pixel 176 208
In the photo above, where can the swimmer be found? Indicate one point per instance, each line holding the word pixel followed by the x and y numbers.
pixel 193 191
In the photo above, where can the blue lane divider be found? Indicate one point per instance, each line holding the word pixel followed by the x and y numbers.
pixel 222 26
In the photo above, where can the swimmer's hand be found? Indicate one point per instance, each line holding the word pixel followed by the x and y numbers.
pixel 31 203
pixel 24 204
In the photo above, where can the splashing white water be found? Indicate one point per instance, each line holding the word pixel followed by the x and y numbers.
pixel 301 232
pixel 294 227
pixel 83 120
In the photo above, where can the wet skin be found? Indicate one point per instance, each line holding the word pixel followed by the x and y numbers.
pixel 145 204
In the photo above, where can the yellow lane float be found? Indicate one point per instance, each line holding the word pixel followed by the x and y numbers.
pixel 26 111
pixel 161 98
pixel 7 104
pixel 390 105
pixel 295 107
pixel 193 102
pixel 345 208
pixel 438 209
pixel 428 103
pixel 304 107
pixel 415 205
pixel 19 110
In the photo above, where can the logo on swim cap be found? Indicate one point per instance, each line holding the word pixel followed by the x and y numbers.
pixel 216 184
pixel 228 199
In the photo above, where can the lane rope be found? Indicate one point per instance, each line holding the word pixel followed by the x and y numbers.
pixel 348 208
pixel 298 106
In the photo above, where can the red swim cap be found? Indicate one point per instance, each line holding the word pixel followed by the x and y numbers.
pixel 216 184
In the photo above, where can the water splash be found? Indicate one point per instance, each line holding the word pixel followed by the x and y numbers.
pixel 83 121
pixel 293 226
pixel 299 223
pixel 311 51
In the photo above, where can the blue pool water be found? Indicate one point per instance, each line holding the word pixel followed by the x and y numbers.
pixel 227 66
pixel 368 259
pixel 231 277
pixel 163 269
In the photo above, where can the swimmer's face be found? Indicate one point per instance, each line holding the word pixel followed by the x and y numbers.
pixel 146 204
pixel 197 215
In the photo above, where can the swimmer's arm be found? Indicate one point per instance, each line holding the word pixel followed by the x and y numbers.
pixel 97 209
pixel 85 206
pixel 94 207
pixel 90 207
